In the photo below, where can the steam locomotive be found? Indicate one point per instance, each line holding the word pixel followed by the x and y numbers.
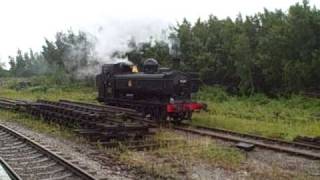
pixel 160 93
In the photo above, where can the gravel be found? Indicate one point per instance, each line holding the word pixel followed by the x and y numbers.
pixel 259 163
pixel 86 156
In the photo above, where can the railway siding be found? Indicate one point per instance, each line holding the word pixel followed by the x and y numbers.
pixel 104 123
pixel 301 149
pixel 30 160
pixel 96 122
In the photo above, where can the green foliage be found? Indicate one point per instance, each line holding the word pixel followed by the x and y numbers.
pixel 273 52
pixel 59 60
pixel 69 52
pixel 215 94
pixel 27 64
pixel 282 117
pixel 140 51
pixel 268 52
pixel 3 72
pixel 42 87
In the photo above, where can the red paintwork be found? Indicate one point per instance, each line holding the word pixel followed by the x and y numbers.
pixel 192 106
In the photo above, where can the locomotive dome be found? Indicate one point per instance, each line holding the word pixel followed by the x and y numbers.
pixel 150 61
pixel 150 65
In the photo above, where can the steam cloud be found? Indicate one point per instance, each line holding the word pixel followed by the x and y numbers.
pixel 114 35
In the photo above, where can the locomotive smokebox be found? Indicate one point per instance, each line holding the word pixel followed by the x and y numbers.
pixel 150 66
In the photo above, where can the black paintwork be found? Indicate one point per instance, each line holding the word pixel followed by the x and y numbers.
pixel 117 85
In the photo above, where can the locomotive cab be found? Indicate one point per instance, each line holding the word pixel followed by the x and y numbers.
pixel 105 82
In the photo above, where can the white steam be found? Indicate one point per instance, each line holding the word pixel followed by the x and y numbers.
pixel 114 36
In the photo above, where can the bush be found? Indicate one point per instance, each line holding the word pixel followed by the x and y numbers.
pixel 259 99
pixel 38 89
pixel 213 93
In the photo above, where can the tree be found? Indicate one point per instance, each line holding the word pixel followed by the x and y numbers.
pixel 69 52
pixel 271 52
pixel 3 72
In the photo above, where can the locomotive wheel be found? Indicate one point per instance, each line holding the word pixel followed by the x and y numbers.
pixel 189 116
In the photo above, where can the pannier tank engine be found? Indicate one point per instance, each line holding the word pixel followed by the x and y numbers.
pixel 159 93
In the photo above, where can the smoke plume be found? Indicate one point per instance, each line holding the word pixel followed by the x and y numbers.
pixel 114 36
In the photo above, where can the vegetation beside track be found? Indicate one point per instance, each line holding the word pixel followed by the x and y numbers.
pixel 37 125
pixel 178 159
pixel 244 114
pixel 282 117
pixel 41 88
pixel 195 157
pixel 44 88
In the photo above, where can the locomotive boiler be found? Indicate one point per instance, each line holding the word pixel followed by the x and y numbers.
pixel 160 93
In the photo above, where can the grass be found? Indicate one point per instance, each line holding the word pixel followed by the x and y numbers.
pixel 76 93
pixel 178 159
pixel 282 118
pixel 279 118
pixel 48 91
pixel 200 149
pixel 201 156
pixel 37 125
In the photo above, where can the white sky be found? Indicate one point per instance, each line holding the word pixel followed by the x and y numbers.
pixel 25 23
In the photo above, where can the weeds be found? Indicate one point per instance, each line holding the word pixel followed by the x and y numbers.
pixel 37 125
pixel 50 92
pixel 179 158
pixel 281 118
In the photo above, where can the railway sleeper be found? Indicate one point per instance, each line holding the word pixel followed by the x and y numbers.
pixel 125 124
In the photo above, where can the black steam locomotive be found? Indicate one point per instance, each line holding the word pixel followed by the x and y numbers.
pixel 161 93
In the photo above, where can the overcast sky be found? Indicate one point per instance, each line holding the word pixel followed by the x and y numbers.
pixel 25 23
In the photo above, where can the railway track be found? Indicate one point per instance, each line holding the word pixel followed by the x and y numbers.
pixel 102 123
pixel 6 172
pixel 315 141
pixel 296 148
pixel 30 160
pixel 97 122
